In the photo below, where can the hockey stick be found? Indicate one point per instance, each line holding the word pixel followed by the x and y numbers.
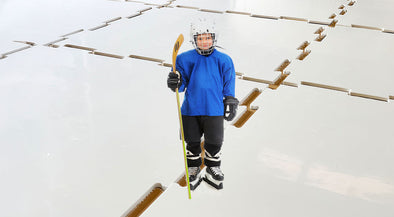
pixel 177 45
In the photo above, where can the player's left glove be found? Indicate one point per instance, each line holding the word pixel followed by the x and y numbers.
pixel 230 108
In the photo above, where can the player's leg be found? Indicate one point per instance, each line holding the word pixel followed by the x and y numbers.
pixel 213 134
pixel 193 133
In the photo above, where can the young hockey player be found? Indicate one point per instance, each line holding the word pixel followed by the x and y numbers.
pixel 208 78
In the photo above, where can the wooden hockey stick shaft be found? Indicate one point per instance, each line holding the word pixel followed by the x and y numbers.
pixel 177 45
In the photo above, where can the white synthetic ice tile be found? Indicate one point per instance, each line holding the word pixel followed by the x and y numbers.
pixel 271 163
pixel 370 13
pixel 44 21
pixel 307 9
pixel 329 120
pixel 88 135
pixel 77 129
pixel 151 34
pixel 257 46
pixel 357 59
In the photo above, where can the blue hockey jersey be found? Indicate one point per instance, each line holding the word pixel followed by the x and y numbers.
pixel 206 80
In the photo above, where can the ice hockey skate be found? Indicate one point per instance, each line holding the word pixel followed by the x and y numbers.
pixel 194 177
pixel 214 177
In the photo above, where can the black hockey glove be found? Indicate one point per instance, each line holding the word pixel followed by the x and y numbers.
pixel 230 108
pixel 174 80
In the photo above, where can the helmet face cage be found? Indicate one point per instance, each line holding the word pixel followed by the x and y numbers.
pixel 207 51
pixel 202 26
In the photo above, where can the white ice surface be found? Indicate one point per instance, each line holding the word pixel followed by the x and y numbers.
pixel 305 153
pixel 370 13
pixel 44 21
pixel 365 69
pixel 307 9
pixel 88 135
pixel 73 133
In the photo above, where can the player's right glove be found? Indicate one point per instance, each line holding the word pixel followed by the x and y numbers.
pixel 174 80
pixel 230 107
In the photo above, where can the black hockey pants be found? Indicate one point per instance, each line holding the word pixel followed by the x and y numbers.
pixel 212 129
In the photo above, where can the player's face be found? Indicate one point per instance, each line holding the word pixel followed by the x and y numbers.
pixel 204 41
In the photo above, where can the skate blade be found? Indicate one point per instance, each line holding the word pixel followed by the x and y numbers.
pixel 195 183
pixel 214 183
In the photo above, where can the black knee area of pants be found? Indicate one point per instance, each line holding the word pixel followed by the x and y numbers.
pixel 195 149
pixel 212 149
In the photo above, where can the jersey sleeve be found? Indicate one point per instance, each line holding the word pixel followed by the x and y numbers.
pixel 229 78
pixel 181 69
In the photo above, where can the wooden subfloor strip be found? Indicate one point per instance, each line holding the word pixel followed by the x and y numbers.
pixel 238 12
pixel 146 200
pixel 256 80
pixel 384 99
pixel 16 50
pixel 146 9
pixel 146 58
pixel 325 86
pixel 293 18
pixel 52 43
pixel 107 55
pixel 239 73
pixel 211 11
pixel 187 7
pixel 290 84
pixel 264 16
pixel 279 80
pixel 72 33
pixel 318 22
pixel 244 117
pixel 246 78
pixel 134 15
pixel 27 42
pixel 79 47
pixel 366 27
pixel 247 101
pixel 113 20
pixel 388 31
pixel 98 27
pixel 169 65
